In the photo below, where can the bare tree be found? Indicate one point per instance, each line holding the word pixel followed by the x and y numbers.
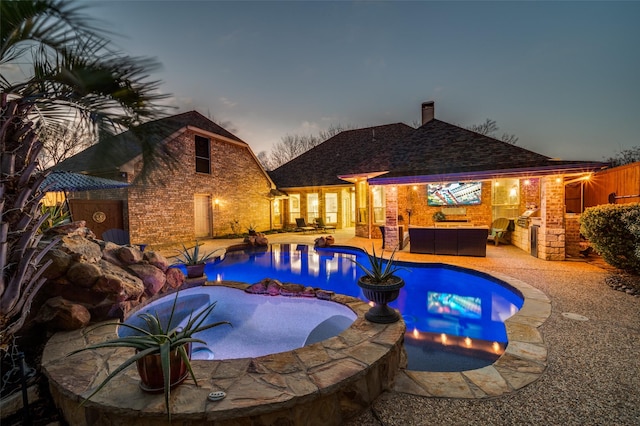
pixel 291 146
pixel 626 156
pixel 61 141
pixel 490 128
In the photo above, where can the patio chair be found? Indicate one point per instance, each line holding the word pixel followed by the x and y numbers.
pixel 323 226
pixel 301 225
pixel 117 236
pixel 498 229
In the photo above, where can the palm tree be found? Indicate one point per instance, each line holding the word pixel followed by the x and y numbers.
pixel 74 77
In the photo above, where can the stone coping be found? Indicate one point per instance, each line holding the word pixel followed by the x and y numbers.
pixel 324 383
pixel 522 363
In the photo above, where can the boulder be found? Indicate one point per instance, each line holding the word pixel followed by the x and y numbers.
pixel 175 278
pixel 129 255
pixel 110 254
pixel 119 283
pixel 59 313
pixel 59 266
pixel 157 260
pixel 152 277
pixel 84 274
pixel 81 248
pixel 78 228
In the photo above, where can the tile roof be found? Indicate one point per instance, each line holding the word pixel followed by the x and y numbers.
pixel 113 152
pixel 435 148
pixel 351 151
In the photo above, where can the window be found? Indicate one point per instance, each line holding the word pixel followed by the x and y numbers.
pixel 203 155
pixel 294 207
pixel 312 208
pixel 331 208
pixel 378 204
pixel 505 198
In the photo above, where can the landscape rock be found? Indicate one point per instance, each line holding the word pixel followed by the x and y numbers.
pixel 157 260
pixel 59 266
pixel 175 278
pixel 152 277
pixel 129 255
pixel 62 314
pixel 84 274
pixel 81 247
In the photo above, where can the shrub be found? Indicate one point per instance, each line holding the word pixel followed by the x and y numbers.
pixel 614 232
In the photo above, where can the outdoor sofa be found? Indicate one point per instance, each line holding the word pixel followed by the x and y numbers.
pixel 459 241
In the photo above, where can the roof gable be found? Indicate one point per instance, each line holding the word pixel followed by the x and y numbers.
pixel 113 152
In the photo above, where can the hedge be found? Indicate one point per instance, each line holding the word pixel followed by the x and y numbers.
pixel 614 232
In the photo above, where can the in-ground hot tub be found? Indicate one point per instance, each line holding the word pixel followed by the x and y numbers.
pixel 260 325
pixel 322 383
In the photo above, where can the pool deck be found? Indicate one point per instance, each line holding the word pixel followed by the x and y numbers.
pixel 590 373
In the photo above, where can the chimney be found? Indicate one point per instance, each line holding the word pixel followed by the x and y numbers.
pixel 428 111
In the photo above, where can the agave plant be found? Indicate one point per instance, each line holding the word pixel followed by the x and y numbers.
pixel 379 270
pixel 192 255
pixel 157 338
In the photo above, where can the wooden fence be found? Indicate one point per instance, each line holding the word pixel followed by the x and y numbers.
pixel 623 182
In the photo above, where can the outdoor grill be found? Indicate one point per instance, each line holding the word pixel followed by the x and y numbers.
pixel 523 220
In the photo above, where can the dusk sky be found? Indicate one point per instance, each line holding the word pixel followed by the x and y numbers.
pixel 562 76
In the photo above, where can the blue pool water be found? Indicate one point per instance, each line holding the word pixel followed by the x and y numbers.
pixel 454 316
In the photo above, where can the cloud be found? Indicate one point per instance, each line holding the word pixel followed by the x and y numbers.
pixel 226 102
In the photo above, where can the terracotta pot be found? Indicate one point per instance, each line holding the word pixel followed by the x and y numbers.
pixel 380 295
pixel 150 371
pixel 195 271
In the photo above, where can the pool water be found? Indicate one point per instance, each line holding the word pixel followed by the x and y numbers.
pixel 454 316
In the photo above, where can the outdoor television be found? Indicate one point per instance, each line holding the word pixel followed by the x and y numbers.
pixel 454 305
pixel 454 193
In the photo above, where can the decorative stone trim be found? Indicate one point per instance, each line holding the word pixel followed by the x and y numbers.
pixel 320 384
pixel 522 363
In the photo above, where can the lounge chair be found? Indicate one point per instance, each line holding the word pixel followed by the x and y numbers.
pixel 301 225
pixel 499 227
pixel 321 226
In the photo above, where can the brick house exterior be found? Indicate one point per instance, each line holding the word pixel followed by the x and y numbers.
pixel 387 170
pixel 182 196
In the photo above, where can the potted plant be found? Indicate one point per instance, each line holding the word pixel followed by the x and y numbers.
pixel 381 286
pixel 251 229
pixel 163 352
pixel 193 259
pixel 439 217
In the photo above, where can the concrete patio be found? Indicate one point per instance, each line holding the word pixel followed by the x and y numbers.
pixel 592 338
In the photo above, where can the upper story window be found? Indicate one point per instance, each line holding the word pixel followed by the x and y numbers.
pixel 203 155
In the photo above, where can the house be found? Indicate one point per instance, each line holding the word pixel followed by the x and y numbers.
pixel 201 181
pixel 395 174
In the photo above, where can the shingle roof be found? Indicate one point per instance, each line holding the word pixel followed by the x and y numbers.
pixel 68 181
pixel 348 152
pixel 112 153
pixel 435 148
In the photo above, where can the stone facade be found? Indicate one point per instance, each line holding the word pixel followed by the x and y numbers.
pixel 572 235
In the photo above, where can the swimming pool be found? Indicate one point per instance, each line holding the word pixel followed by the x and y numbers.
pixel 454 316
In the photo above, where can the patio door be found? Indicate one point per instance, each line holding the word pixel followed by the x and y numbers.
pixel 203 216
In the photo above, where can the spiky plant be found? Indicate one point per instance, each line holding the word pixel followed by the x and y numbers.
pixel 379 271
pixel 193 256
pixel 157 338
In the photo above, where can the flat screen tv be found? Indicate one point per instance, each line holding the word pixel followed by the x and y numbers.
pixel 454 305
pixel 454 193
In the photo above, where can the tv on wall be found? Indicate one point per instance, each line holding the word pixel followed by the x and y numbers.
pixel 454 193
